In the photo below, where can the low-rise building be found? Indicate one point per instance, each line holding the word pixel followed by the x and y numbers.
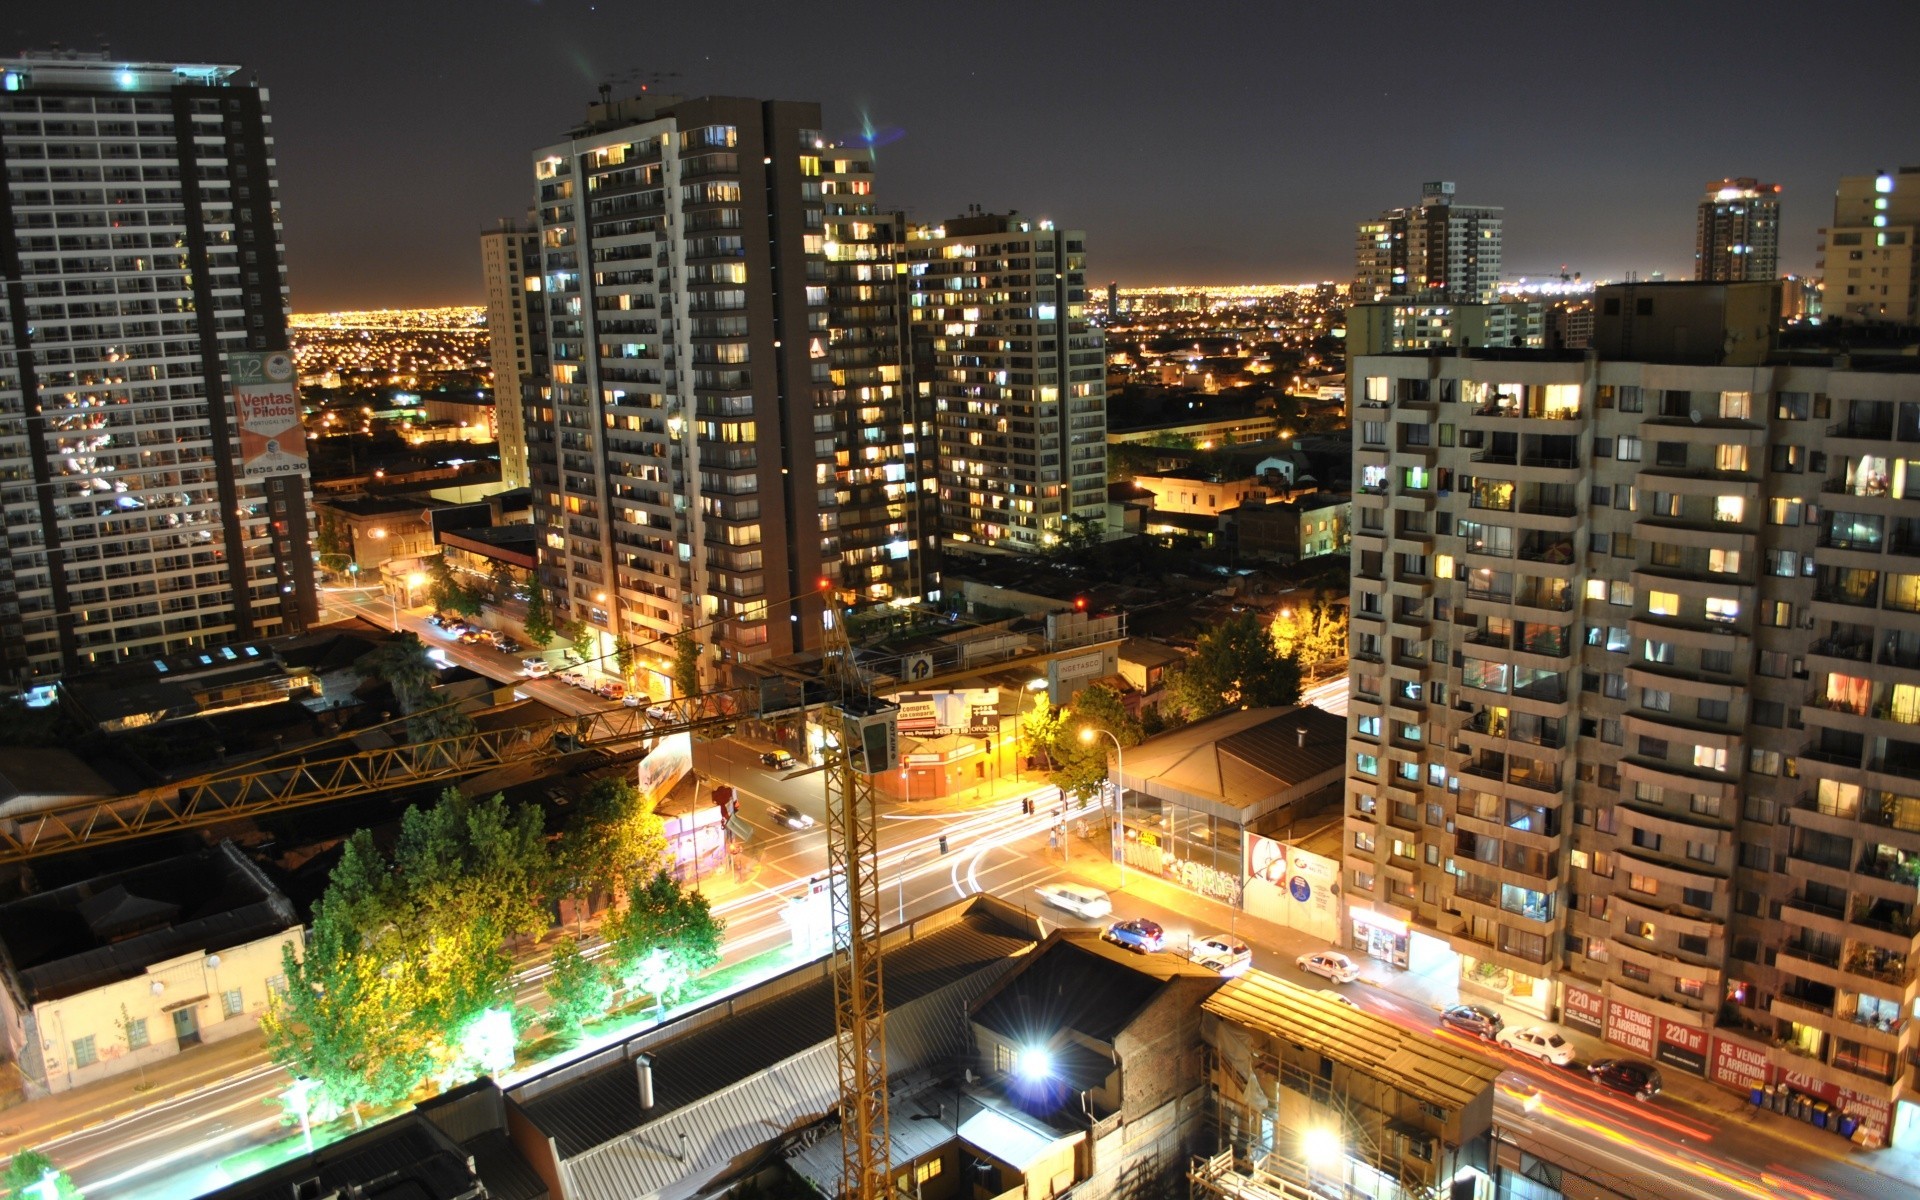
pixel 366 531
pixel 1290 530
pixel 102 976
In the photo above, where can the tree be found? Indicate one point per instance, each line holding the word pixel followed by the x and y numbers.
pixel 663 938
pixel 1313 633
pixel 403 663
pixel 448 594
pixel 1236 665
pixel 1041 730
pixel 1081 763
pixel 613 838
pixel 578 991
pixel 624 656
pixel 332 546
pixel 539 620
pixel 686 665
pixel 27 1170
pixel 579 638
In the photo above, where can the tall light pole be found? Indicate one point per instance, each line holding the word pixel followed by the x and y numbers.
pixel 1119 785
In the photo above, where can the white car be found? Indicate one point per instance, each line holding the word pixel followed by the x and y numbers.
pixel 1538 1041
pixel 1221 952
pixel 1329 964
pixel 535 668
pixel 1336 997
pixel 1078 899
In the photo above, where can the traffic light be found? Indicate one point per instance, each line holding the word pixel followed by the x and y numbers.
pixel 1079 604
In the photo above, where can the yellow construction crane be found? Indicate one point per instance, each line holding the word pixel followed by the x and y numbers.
pixel 861 739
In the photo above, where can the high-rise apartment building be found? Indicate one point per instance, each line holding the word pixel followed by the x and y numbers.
pixel 1868 253
pixel 1635 713
pixel 1013 374
pixel 723 422
pixel 516 324
pixel 1433 252
pixel 1737 239
pixel 152 458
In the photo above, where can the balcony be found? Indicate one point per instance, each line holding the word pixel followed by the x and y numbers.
pixel 1857 651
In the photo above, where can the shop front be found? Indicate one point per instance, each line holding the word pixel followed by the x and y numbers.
pixel 1505 985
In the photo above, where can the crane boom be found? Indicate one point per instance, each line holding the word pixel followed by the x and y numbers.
pixel 862 739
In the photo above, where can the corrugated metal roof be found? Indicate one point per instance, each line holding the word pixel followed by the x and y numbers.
pixel 1241 763
pixel 1070 985
pixel 605 1104
pixel 676 1155
pixel 1421 1066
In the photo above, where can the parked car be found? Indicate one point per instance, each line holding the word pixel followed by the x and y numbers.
pixel 1336 997
pixel 779 760
pixel 1076 898
pixel 1221 952
pixel 634 699
pixel 1139 935
pixel 1625 1076
pixel 1473 1019
pixel 791 817
pixel 1538 1041
pixel 1329 964
pixel 471 637
pixel 438 621
pixel 506 644
pixel 662 714
pixel 613 689
pixel 576 679
pixel 535 668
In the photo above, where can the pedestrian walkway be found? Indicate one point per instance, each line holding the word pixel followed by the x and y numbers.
pixel 1719 1105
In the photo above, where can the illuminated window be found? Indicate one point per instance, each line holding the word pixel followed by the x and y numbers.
pixel 1663 604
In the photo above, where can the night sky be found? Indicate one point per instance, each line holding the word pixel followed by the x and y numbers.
pixel 1195 142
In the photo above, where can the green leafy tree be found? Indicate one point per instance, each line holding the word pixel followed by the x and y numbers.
pixel 1236 665
pixel 686 665
pixel 663 938
pixel 27 1170
pixel 403 663
pixel 579 638
pixel 614 837
pixel 578 991
pixel 1041 730
pixel 330 543
pixel 1081 761
pixel 1313 632
pixel 539 622
pixel 448 594
pixel 624 658
pixel 500 585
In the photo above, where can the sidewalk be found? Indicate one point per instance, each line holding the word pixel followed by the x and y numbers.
pixel 1719 1106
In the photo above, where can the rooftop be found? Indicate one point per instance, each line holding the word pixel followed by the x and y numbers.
pixel 1242 764
pixel 113 927
pixel 1078 981
pixel 1415 1063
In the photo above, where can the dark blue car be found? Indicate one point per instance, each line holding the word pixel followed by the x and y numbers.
pixel 1139 935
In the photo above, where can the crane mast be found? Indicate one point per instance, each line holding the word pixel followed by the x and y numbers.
pixel 862 739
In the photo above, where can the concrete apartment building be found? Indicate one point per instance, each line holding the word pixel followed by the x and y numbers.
pixel 1436 251
pixel 146 511
pixel 1737 235
pixel 1013 375
pixel 516 323
pixel 721 424
pixel 1867 254
pixel 1636 690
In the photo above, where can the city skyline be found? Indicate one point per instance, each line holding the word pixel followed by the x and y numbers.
pixel 397 152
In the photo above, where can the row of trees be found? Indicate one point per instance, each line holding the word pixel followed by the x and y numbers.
pixel 408 974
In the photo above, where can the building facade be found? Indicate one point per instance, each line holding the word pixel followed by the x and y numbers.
pixel 140 248
pixel 1867 254
pixel 516 320
pixel 1635 669
pixel 1737 237
pixel 1013 375
pixel 1436 251
pixel 721 428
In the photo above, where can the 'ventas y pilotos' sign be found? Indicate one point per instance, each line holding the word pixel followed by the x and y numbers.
pixel 267 399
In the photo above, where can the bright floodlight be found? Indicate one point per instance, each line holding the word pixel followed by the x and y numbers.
pixel 1321 1146
pixel 1086 735
pixel 1033 1063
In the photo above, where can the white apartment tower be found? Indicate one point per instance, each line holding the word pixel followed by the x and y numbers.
pixel 1635 719
pixel 1433 252
pixel 1867 255
pixel 721 432
pixel 510 268
pixel 1737 234
pixel 1013 375
pixel 152 460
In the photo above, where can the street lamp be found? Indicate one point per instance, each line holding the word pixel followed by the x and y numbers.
pixel 1119 783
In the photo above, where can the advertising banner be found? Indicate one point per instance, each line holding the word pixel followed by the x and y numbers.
pixel 1683 1046
pixel 983 719
pixel 1289 886
pixel 1739 1066
pixel 669 763
pixel 919 714
pixel 266 399
pixel 1631 1028
pixel 1584 1010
